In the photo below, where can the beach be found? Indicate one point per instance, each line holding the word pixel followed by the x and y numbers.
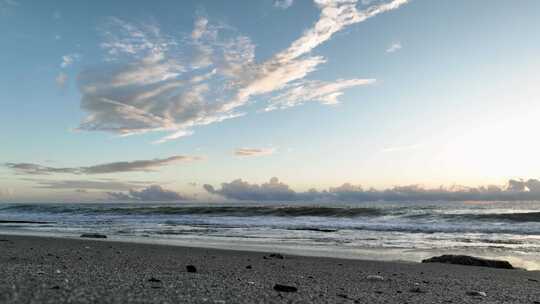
pixel 72 270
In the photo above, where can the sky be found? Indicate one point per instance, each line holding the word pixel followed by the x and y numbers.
pixel 144 100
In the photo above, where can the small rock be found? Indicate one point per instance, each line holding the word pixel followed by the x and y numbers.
pixel 276 256
pixel 56 287
pixel 248 267
pixel 475 293
pixel 191 268
pixel 154 280
pixel 285 288
pixel 469 261
pixel 417 290
pixel 93 235
pixel 375 278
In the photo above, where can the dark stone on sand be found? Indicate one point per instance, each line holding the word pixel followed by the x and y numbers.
pixel 154 280
pixel 417 290
pixel 248 267
pixel 93 236
pixel 23 222
pixel 191 268
pixel 475 293
pixel 469 261
pixel 285 288
pixel 55 287
pixel 276 256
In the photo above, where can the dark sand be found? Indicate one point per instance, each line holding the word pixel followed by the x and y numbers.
pixel 53 270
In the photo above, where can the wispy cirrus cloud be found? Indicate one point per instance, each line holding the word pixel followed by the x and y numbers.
pixel 324 92
pixel 85 185
pixel 68 60
pixel 253 152
pixel 394 47
pixel 61 79
pixel 155 82
pixel 283 4
pixel 114 167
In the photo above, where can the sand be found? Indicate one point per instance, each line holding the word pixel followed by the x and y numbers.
pixel 56 270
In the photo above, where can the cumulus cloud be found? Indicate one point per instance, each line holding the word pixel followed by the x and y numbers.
pixel 394 47
pixel 152 193
pixel 115 167
pixel 277 191
pixel 247 152
pixel 155 82
pixel 283 4
pixel 241 190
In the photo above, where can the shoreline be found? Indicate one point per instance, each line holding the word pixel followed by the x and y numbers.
pixel 57 270
pixel 384 254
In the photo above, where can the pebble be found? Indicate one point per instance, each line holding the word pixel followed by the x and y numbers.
pixel 417 290
pixel 475 293
pixel 276 256
pixel 375 278
pixel 93 235
pixel 191 268
pixel 285 288
pixel 154 280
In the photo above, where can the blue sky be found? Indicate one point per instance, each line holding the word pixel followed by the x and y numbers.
pixel 317 93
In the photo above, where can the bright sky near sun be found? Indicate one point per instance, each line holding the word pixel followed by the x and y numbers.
pixel 108 96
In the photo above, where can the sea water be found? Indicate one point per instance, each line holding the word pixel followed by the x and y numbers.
pixel 408 231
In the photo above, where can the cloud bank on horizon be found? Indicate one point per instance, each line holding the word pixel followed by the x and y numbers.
pixel 274 190
pixel 152 193
pixel 155 82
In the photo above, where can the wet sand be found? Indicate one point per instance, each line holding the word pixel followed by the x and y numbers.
pixel 55 270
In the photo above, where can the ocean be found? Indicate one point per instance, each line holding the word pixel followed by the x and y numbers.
pixel 407 231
